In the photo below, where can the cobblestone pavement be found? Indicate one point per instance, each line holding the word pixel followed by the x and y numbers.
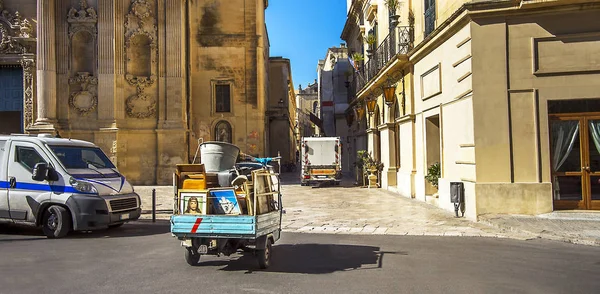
pixel 346 209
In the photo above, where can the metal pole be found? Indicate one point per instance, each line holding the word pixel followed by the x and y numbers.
pixel 153 205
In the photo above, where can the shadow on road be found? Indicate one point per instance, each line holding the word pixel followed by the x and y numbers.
pixel 312 259
pixel 133 229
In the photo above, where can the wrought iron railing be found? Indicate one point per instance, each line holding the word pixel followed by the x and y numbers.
pixel 399 41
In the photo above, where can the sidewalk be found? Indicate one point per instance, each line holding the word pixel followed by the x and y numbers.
pixel 346 209
pixel 578 227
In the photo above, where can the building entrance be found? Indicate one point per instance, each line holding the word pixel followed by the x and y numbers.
pixel 11 99
pixel 575 153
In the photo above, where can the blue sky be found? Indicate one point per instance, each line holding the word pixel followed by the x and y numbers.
pixel 302 30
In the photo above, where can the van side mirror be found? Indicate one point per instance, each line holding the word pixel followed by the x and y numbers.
pixel 40 171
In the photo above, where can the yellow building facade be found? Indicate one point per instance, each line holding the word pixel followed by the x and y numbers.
pixel 281 111
pixel 502 94
pixel 146 80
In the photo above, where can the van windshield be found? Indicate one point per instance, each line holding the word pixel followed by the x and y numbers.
pixel 81 157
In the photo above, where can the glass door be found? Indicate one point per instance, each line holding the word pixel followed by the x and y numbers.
pixel 568 180
pixel 575 157
pixel 592 168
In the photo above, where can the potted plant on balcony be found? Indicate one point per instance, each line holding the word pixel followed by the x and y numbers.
pixel 357 58
pixel 371 40
pixel 392 6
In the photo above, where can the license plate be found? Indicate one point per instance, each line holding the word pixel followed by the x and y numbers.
pixel 124 216
pixel 321 177
pixel 203 249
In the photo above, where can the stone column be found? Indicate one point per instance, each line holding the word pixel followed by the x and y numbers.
pixel 388 139
pixel 106 63
pixel 46 65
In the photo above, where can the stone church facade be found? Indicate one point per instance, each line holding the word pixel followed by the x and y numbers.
pixel 146 80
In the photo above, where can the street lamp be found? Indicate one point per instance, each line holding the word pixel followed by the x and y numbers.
pixel 389 94
pixel 349 118
pixel 360 112
pixel 371 103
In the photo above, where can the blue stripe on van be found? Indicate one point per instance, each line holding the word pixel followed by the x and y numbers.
pixel 42 187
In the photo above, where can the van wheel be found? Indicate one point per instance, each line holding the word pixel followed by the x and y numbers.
pixel 56 222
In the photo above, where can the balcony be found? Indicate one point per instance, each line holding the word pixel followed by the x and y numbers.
pixel 399 42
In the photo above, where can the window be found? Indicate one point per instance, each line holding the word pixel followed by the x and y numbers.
pixel 429 16
pixel 223 132
pixel 81 157
pixel 223 98
pixel 28 157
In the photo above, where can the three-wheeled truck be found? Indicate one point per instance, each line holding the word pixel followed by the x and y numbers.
pixel 222 208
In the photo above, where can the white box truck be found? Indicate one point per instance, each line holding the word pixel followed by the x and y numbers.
pixel 321 160
pixel 62 185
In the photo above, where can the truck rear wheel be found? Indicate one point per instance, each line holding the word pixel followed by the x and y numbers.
pixel 192 257
pixel 264 255
pixel 56 222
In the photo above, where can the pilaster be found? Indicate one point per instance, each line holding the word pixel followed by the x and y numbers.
pixel 62 65
pixel 120 9
pixel 106 62
pixel 46 66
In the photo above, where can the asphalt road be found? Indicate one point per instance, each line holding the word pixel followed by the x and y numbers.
pixel 142 257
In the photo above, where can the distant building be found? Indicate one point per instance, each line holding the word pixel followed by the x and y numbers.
pixel 334 74
pixel 307 101
pixel 281 110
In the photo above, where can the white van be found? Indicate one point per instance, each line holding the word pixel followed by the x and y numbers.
pixel 62 185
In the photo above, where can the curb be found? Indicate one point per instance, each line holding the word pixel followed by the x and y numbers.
pixel 543 235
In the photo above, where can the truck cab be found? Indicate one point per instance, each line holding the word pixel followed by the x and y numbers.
pixel 62 185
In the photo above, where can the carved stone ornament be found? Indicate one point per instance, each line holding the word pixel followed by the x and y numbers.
pixel 141 56
pixel 141 9
pixel 28 74
pixel 84 100
pixel 15 32
pixel 140 106
pixel 82 19
pixel 84 14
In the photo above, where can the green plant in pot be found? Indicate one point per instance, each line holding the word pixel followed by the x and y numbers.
pixel 371 39
pixel 368 164
pixel 433 174
pixel 392 6
pixel 357 57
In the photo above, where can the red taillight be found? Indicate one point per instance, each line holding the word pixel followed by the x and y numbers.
pixel 306 177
